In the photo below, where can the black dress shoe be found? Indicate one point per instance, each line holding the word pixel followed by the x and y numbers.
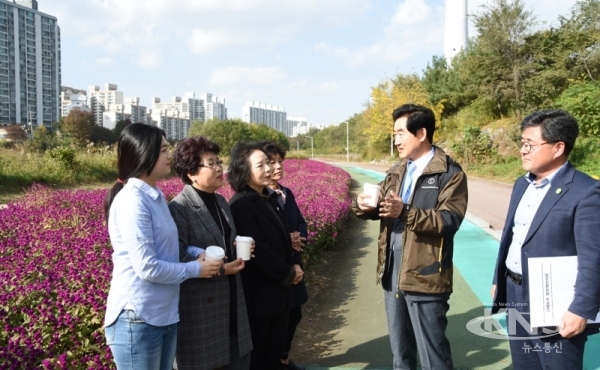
pixel 291 366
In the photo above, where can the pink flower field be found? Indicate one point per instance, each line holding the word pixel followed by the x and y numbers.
pixel 55 265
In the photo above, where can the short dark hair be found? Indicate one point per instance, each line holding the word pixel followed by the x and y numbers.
pixel 556 126
pixel 188 156
pixel 238 173
pixel 271 148
pixel 418 117
pixel 138 149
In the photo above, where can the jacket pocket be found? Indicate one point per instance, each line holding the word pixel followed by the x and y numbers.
pixel 428 252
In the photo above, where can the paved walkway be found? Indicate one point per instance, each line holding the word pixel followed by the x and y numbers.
pixel 346 324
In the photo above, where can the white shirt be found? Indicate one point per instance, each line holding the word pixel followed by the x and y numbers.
pixel 420 163
pixel 526 210
pixel 146 268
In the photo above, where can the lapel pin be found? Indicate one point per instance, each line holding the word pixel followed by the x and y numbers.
pixel 558 191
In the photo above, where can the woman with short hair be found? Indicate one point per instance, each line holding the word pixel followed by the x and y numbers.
pixel 299 232
pixel 214 330
pixel 268 277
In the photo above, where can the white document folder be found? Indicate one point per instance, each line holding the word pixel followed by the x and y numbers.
pixel 551 289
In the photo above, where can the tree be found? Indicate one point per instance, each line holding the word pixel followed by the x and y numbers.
pixel 99 134
pixel 263 132
pixel 78 125
pixel 500 62
pixel 15 133
pixel 225 133
pixel 582 100
pixel 388 96
pixel 41 140
pixel 119 127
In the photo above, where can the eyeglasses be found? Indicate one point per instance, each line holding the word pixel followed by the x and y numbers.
pixel 528 148
pixel 214 166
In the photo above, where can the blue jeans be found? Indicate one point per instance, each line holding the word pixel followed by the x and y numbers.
pixel 137 345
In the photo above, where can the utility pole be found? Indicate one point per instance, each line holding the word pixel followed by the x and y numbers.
pixel 312 147
pixel 347 142
pixel 297 145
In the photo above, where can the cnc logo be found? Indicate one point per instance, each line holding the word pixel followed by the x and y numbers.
pixel 484 326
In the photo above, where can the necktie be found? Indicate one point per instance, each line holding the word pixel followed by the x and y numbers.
pixel 407 186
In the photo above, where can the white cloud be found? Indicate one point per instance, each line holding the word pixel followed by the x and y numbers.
pixel 303 86
pixel 132 27
pixel 232 76
pixel 409 12
pixel 205 41
pixel 105 61
pixel 413 28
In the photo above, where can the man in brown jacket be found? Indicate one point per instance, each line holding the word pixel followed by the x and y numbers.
pixel 422 202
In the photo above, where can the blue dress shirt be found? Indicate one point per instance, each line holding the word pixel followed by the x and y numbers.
pixel 146 268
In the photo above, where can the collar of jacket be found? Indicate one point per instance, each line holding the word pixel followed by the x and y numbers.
pixel 438 163
pixel 254 195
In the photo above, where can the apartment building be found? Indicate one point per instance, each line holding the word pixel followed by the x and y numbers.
pixel 30 70
pixel 271 115
pixel 195 107
pixel 173 117
pixel 99 100
pixel 297 126
pixel 214 107
pixel 176 124
pixel 72 98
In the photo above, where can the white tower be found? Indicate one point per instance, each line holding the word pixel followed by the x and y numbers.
pixel 455 35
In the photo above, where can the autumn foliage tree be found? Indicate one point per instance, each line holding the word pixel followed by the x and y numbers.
pixel 388 96
pixel 78 125
pixel 15 133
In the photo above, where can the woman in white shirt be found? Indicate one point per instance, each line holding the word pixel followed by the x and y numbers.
pixel 141 313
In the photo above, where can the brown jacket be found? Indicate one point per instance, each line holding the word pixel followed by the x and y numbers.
pixel 436 209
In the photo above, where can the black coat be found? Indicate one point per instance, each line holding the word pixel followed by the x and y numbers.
pixel 267 278
pixel 295 222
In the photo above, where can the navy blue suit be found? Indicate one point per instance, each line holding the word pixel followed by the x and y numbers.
pixel 567 223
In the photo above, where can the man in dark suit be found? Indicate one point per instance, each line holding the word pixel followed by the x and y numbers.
pixel 553 211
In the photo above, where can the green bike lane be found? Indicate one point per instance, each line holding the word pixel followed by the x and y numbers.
pixel 352 328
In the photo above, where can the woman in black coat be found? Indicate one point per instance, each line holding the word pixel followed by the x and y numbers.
pixel 267 278
pixel 299 232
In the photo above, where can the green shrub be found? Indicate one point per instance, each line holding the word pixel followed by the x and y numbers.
pixel 582 100
pixel 475 146
pixel 65 156
pixel 302 154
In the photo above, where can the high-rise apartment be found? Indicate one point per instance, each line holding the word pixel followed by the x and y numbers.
pixel 173 117
pixel 297 126
pixel 214 107
pixel 72 98
pixel 29 64
pixel 131 110
pixel 195 107
pixel 271 115
pixel 99 100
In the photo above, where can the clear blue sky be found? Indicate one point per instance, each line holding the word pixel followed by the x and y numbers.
pixel 317 58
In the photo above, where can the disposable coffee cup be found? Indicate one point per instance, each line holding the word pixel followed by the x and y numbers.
pixel 214 253
pixel 242 247
pixel 373 191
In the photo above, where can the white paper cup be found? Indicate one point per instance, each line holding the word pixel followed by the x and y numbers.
pixel 373 191
pixel 242 247
pixel 214 253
